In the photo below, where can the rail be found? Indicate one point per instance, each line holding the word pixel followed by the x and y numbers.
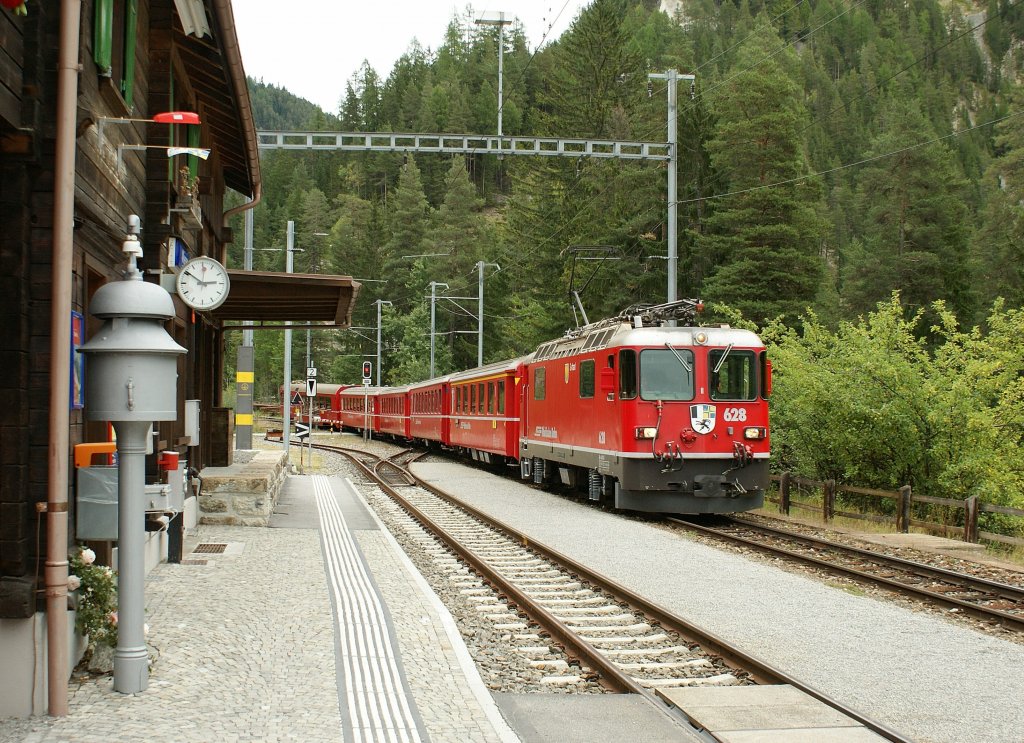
pixel 977 597
pixel 612 676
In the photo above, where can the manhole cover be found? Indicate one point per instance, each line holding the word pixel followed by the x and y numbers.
pixel 195 562
pixel 210 549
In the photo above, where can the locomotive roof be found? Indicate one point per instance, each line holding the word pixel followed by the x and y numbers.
pixel 624 334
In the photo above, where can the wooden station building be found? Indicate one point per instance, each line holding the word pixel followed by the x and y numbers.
pixel 81 82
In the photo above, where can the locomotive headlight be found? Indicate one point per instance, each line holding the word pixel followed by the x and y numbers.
pixel 755 433
pixel 700 338
pixel 646 432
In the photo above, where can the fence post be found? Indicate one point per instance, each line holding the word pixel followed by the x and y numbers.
pixel 784 493
pixel 828 506
pixel 903 515
pixel 971 519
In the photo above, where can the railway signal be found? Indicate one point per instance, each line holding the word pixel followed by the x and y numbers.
pixel 301 430
pixel 367 371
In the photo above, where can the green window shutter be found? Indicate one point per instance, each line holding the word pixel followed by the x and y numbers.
pixel 131 21
pixel 193 160
pixel 103 33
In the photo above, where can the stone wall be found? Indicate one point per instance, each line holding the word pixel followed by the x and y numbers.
pixel 245 493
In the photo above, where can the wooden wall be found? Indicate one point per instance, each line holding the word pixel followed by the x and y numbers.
pixel 107 191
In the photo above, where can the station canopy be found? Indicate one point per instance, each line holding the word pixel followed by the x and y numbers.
pixel 266 300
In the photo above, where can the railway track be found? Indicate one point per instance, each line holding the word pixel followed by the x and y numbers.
pixel 977 597
pixel 576 626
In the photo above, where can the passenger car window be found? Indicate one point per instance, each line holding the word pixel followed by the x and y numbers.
pixel 735 379
pixel 501 397
pixel 663 377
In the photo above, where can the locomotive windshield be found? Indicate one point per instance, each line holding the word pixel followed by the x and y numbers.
pixel 663 376
pixel 735 378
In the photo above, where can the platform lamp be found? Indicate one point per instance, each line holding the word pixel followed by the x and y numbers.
pixel 167 117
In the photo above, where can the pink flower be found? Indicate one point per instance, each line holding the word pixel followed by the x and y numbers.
pixel 112 616
pixel 74 582
pixel 88 557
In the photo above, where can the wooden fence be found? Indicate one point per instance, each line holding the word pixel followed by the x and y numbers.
pixel 904 499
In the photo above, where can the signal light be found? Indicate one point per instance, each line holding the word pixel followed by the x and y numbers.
pixel 367 369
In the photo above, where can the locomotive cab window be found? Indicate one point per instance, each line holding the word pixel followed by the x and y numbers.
pixel 664 375
pixel 587 378
pixel 735 378
pixel 627 374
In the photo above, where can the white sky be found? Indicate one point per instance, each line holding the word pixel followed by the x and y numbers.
pixel 312 47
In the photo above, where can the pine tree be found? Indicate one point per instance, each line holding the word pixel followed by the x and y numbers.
pixel 763 241
pixel 911 218
pixel 999 242
pixel 408 215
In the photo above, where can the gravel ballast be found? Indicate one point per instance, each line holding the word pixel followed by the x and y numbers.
pixel 916 673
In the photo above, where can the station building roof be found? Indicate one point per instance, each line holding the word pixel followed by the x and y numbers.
pixel 263 299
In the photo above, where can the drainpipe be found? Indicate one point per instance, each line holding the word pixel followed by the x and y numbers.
pixel 56 566
pixel 233 58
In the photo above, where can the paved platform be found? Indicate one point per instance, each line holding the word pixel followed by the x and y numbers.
pixel 318 628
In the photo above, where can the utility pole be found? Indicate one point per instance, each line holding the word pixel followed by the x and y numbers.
pixel 433 301
pixel 480 317
pixel 286 402
pixel 672 77
pixel 500 22
pixel 247 262
pixel 380 303
pixel 244 372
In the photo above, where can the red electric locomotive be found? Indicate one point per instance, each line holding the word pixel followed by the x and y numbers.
pixel 648 416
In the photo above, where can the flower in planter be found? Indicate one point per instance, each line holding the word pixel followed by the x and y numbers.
pixel 97 598
pixel 18 6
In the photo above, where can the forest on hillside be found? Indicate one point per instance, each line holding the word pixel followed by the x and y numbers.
pixel 843 165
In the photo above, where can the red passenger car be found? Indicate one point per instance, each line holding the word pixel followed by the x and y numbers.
pixel 392 411
pixel 484 410
pixel 429 411
pixel 357 409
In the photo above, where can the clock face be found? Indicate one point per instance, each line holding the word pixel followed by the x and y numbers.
pixel 203 283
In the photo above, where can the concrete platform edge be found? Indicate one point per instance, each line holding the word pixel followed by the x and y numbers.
pixel 468 666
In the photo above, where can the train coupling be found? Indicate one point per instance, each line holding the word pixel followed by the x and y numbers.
pixel 717 486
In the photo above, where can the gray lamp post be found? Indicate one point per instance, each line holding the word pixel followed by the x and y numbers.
pixel 131 380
